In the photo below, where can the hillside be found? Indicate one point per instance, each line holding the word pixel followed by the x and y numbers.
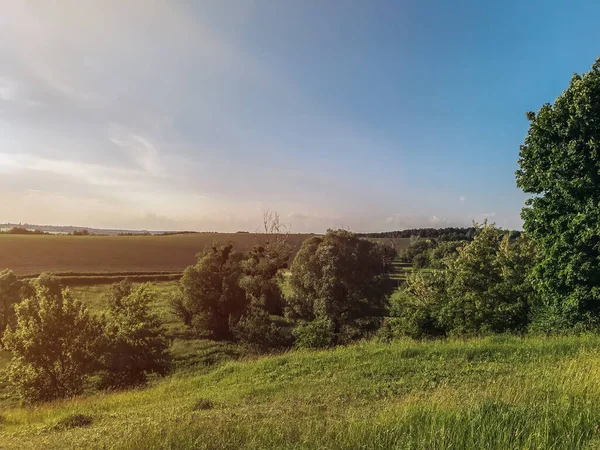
pixel 495 393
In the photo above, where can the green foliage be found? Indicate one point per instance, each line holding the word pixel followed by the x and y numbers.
pixel 560 166
pixel 319 333
pixel 342 278
pixel 487 285
pixel 414 310
pixel 417 253
pixel 261 278
pixel 10 295
pixel 233 296
pixel 442 253
pixel 484 289
pixel 134 339
pixel 210 297
pixel 257 329
pixel 54 343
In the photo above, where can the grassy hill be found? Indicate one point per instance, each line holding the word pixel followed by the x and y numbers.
pixel 495 393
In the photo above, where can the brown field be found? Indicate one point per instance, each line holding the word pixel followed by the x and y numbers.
pixel 80 256
pixel 30 254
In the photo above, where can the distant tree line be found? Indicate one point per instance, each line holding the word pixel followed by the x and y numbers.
pixel 21 230
pixel 445 234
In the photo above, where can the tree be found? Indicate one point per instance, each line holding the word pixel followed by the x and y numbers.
pixel 135 344
pixel 417 252
pixel 339 277
pixel 487 284
pixel 560 166
pixel 210 298
pixel 414 310
pixel 54 343
pixel 485 288
pixel 10 294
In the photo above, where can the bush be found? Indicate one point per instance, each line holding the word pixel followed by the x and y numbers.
pixel 484 289
pixel 210 297
pixel 10 295
pixel 417 252
pixel 256 329
pixel 134 340
pixel 414 309
pixel 54 343
pixel 488 286
pixel 318 333
pixel 341 280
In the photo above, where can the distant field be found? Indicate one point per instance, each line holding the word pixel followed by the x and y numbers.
pixel 27 255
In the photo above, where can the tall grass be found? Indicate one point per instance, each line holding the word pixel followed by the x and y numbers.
pixel 494 393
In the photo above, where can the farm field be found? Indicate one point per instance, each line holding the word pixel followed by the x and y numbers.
pixel 30 254
pixel 493 393
pixel 153 256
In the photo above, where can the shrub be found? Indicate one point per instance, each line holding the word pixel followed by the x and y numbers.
pixel 318 333
pixel 257 329
pixel 342 280
pixel 487 285
pixel 486 288
pixel 134 340
pixel 10 295
pixel 54 343
pixel 417 252
pixel 210 297
pixel 414 309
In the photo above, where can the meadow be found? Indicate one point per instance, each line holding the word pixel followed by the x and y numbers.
pixel 493 393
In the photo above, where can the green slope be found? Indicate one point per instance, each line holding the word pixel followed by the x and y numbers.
pixel 496 393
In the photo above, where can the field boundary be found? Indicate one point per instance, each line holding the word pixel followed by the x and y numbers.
pixel 89 279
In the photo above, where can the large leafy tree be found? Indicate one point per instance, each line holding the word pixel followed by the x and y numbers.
pixel 54 343
pixel 340 279
pixel 486 287
pixel 560 165
pixel 210 298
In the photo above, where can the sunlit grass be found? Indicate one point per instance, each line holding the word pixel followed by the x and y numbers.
pixel 495 393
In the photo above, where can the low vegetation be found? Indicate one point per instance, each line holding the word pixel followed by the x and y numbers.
pixel 493 393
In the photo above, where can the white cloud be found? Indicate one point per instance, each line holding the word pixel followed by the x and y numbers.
pixel 463 198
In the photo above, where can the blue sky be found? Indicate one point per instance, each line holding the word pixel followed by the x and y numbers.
pixel 367 115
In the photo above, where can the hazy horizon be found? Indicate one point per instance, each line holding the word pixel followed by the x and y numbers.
pixel 369 116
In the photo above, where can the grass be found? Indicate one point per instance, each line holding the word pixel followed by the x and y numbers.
pixel 494 393
pixel 30 254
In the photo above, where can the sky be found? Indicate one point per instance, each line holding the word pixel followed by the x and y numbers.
pixel 200 115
